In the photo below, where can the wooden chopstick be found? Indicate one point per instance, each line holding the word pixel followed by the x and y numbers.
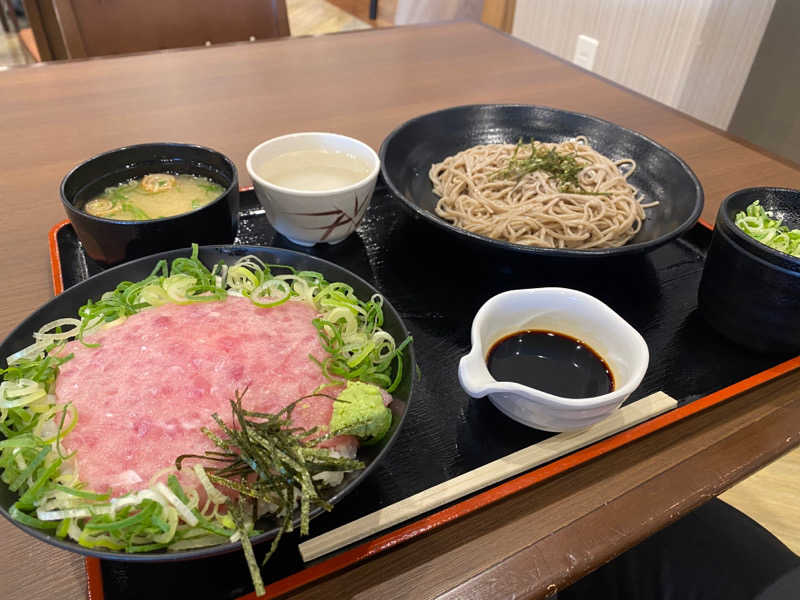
pixel 489 474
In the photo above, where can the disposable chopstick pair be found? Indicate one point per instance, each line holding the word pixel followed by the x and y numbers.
pixel 489 474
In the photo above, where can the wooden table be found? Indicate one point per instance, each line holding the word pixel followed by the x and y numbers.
pixel 363 85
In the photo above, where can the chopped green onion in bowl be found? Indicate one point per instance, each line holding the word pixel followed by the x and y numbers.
pixel 170 515
pixel 760 224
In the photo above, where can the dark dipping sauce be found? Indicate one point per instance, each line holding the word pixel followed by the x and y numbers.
pixel 551 362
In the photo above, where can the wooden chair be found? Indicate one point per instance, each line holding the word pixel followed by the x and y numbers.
pixel 84 28
pixel 44 41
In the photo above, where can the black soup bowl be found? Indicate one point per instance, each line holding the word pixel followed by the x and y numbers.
pixel 68 303
pixel 110 241
pixel 749 292
pixel 409 151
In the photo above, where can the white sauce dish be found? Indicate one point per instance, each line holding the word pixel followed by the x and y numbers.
pixel 567 312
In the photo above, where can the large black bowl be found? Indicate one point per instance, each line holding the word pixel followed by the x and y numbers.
pixel 67 304
pixel 749 292
pixel 409 151
pixel 110 241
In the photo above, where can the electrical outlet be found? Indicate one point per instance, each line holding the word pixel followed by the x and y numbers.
pixel 585 50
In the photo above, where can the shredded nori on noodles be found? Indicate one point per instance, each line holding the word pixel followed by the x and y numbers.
pixel 564 167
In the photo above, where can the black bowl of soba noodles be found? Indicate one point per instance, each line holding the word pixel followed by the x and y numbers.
pixel 138 200
pixel 540 181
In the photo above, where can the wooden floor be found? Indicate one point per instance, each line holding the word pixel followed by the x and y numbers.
pixel 317 17
pixel 772 497
pixel 360 9
pixel 11 50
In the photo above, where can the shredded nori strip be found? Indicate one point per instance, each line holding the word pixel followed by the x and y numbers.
pixel 563 167
pixel 263 457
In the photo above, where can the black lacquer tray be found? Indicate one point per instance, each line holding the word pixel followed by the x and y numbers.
pixel 437 284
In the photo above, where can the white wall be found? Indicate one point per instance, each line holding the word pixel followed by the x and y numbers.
pixel 694 55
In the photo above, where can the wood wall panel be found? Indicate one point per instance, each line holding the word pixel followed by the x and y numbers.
pixel 693 55
pixel 724 56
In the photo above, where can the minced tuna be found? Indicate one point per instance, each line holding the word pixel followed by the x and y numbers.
pixel 144 393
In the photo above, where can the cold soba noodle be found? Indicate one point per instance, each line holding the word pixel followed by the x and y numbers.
pixel 548 195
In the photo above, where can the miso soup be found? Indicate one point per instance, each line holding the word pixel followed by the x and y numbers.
pixel 154 196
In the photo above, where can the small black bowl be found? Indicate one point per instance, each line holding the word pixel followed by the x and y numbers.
pixel 749 292
pixel 409 151
pixel 110 242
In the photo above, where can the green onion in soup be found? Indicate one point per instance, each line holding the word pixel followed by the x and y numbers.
pixel 154 196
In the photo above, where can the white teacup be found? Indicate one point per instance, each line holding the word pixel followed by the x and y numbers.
pixel 311 217
pixel 568 312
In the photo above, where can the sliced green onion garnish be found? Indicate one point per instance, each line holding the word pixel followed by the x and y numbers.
pixel 21 441
pixel 83 493
pixel 175 486
pixel 103 523
pixel 28 499
pixel 32 466
pixel 760 225
pixel 63 528
pixel 16 514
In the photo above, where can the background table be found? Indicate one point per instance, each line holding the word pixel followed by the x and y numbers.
pixel 363 85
